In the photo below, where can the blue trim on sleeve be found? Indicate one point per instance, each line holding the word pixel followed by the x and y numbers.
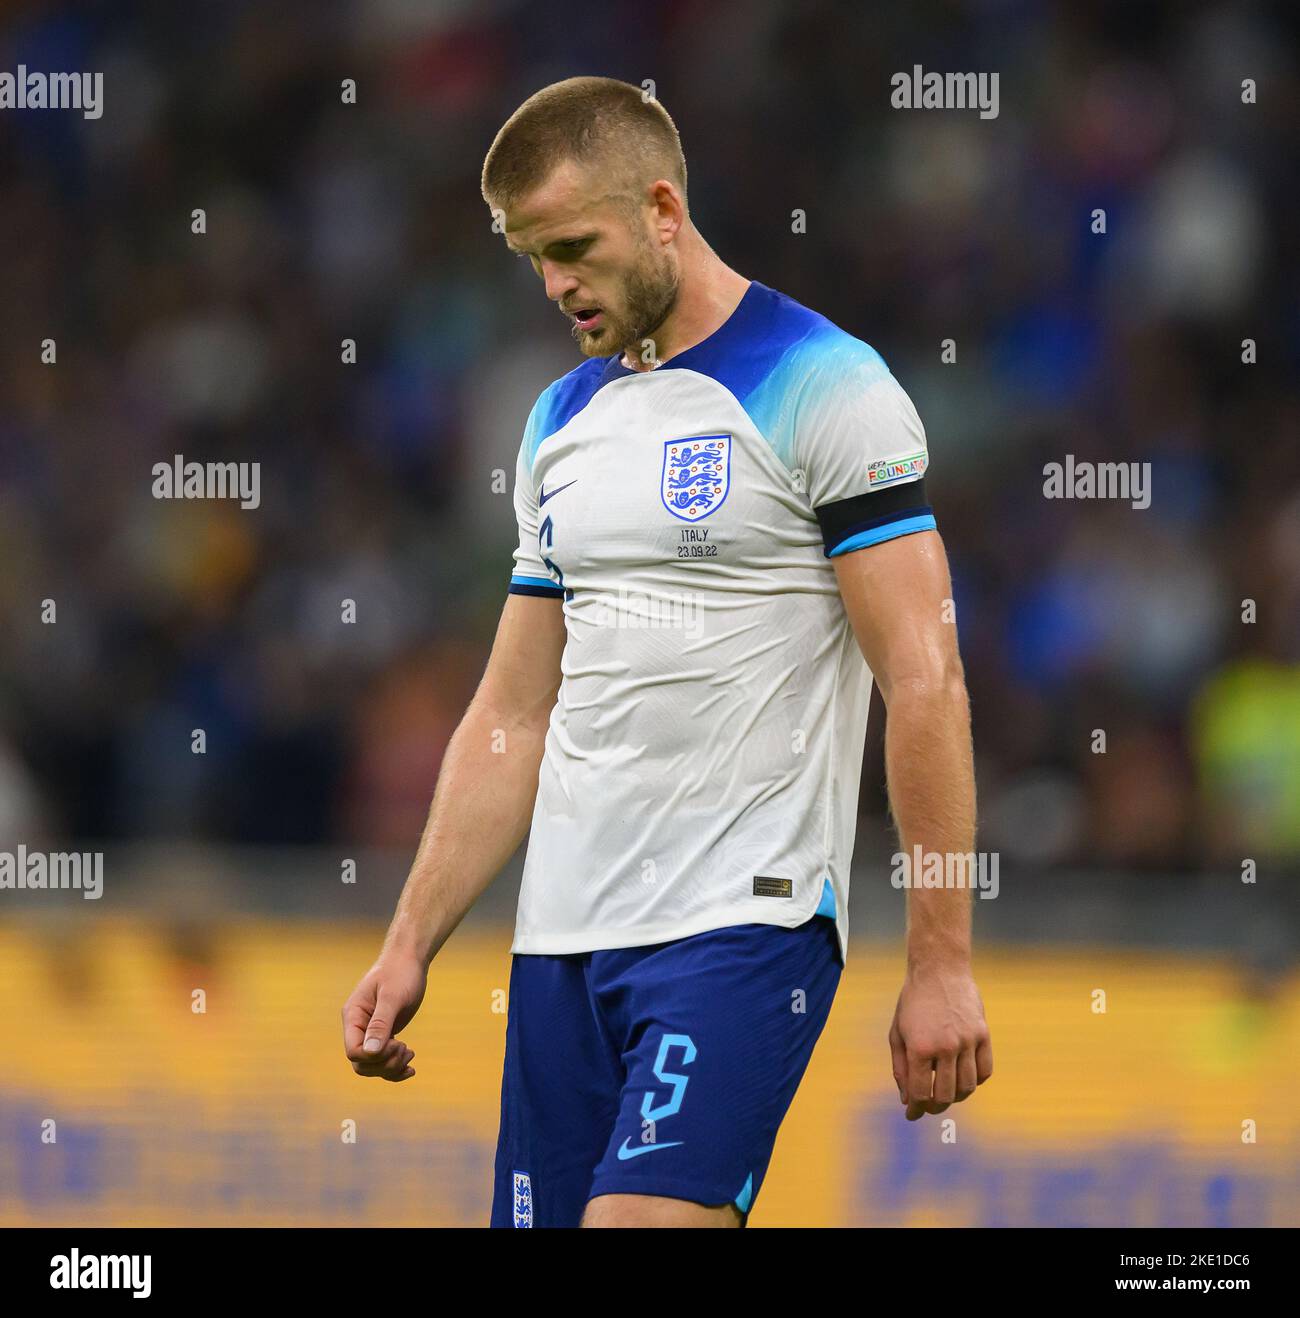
pixel 746 1196
pixel 544 586
pixel 879 534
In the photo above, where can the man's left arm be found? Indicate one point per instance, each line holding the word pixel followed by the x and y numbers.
pixel 898 597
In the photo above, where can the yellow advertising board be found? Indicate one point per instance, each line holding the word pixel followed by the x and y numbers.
pixel 175 1076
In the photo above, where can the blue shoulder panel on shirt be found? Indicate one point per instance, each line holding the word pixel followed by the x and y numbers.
pixel 826 354
pixel 765 351
pixel 560 402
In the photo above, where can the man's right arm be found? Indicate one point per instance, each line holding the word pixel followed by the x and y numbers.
pixel 484 798
pixel 481 810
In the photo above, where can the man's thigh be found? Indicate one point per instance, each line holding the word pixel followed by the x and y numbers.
pixel 714 1032
pixel 559 1095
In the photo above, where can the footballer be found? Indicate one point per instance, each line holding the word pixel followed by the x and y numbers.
pixel 689 793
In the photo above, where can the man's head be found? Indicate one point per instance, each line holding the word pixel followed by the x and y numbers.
pixel 587 180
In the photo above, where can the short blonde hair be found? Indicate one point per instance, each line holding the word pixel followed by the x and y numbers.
pixel 600 121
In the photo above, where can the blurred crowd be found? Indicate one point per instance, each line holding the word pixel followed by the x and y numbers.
pixel 1173 630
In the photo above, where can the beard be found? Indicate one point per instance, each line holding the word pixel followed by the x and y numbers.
pixel 648 294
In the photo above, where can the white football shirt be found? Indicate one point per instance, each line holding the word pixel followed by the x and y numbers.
pixel 703 757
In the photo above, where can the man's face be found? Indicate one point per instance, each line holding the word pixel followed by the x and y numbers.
pixel 600 262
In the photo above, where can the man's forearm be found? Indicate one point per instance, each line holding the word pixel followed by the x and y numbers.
pixel 481 810
pixel 931 776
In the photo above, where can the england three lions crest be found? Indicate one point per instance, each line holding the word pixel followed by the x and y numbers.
pixel 523 1195
pixel 696 475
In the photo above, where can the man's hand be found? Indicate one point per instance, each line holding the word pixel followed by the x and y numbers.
pixel 939 1040
pixel 385 1000
pixel 480 813
pixel 898 596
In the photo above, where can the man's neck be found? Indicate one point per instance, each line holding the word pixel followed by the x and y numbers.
pixel 708 294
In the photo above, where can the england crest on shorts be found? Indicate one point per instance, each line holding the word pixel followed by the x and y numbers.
pixel 523 1199
pixel 696 476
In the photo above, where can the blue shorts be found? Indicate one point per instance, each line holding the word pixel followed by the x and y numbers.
pixel 661 1070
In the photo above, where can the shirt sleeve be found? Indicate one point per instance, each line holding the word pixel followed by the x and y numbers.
pixel 531 575
pixel 861 448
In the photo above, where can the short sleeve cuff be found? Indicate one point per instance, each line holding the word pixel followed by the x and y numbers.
pixel 541 586
pixel 888 529
pixel 874 517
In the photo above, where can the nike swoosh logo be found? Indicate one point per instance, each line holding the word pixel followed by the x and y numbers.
pixel 543 496
pixel 624 1153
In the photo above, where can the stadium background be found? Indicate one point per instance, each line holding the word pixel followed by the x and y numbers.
pixel 1120 871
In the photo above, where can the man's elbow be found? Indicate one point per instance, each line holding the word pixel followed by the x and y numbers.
pixel 932 679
